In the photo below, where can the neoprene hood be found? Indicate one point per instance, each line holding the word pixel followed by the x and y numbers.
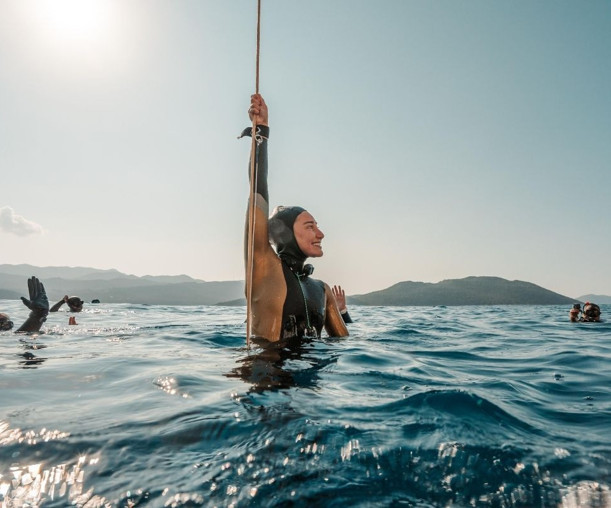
pixel 282 236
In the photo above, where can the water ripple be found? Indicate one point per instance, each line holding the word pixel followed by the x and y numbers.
pixel 144 405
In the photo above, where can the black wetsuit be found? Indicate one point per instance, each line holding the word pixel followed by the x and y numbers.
pixel 304 306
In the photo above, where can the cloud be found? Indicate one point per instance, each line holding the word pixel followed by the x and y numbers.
pixel 10 222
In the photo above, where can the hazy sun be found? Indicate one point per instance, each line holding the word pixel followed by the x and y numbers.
pixel 70 38
pixel 72 21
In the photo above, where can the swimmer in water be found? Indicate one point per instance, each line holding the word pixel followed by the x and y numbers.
pixel 38 305
pixel 286 301
pixel 591 312
pixel 75 304
pixel 574 312
pixel 5 322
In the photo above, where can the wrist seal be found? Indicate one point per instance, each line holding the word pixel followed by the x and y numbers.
pixel 262 132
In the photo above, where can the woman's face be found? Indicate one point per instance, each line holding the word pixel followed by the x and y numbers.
pixel 307 235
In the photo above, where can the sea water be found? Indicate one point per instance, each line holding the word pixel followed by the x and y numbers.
pixel 421 406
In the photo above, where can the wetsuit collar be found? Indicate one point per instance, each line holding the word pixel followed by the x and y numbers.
pixel 297 265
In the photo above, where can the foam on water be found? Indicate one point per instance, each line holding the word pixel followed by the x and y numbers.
pixel 421 406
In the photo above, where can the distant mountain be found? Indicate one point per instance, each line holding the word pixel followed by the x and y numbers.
pixel 467 291
pixel 62 272
pixel 112 286
pixel 9 295
pixel 178 293
pixel 170 279
pixel 238 302
pixel 599 299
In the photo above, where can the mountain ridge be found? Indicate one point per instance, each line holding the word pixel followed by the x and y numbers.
pixel 85 273
pixel 599 299
pixel 112 286
pixel 481 290
pixel 474 290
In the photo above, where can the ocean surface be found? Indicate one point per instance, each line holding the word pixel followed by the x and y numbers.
pixel 164 406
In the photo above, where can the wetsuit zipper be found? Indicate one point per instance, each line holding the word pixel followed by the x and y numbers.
pixel 309 330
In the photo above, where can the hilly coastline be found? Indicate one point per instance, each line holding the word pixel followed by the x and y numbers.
pixel 599 299
pixel 112 286
pixel 467 291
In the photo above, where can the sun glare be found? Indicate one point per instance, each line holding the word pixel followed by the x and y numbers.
pixel 73 21
pixel 75 38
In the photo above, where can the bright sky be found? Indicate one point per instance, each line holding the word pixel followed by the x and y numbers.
pixel 430 139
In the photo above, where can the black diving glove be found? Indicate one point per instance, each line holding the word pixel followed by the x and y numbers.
pixel 38 302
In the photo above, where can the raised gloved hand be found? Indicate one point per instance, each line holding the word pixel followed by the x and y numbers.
pixel 38 302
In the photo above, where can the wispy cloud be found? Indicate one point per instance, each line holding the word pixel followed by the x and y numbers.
pixel 10 222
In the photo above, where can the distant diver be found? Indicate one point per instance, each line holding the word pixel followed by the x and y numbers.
pixel 75 304
pixel 286 301
pixel 574 312
pixel 590 313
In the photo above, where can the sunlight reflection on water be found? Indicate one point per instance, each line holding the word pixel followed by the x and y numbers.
pixel 29 485
pixel 161 406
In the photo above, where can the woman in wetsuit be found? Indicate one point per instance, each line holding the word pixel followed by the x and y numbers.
pixel 286 301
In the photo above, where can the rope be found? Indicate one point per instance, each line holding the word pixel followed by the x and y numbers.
pixel 253 187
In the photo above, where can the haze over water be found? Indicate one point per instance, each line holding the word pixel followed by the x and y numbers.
pixel 421 406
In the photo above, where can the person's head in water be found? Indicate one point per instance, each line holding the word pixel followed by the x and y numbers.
pixel 75 304
pixel 5 322
pixel 591 312
pixel 574 312
pixel 295 234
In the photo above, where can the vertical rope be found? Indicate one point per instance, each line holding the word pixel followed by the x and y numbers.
pixel 253 187
pixel 258 45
